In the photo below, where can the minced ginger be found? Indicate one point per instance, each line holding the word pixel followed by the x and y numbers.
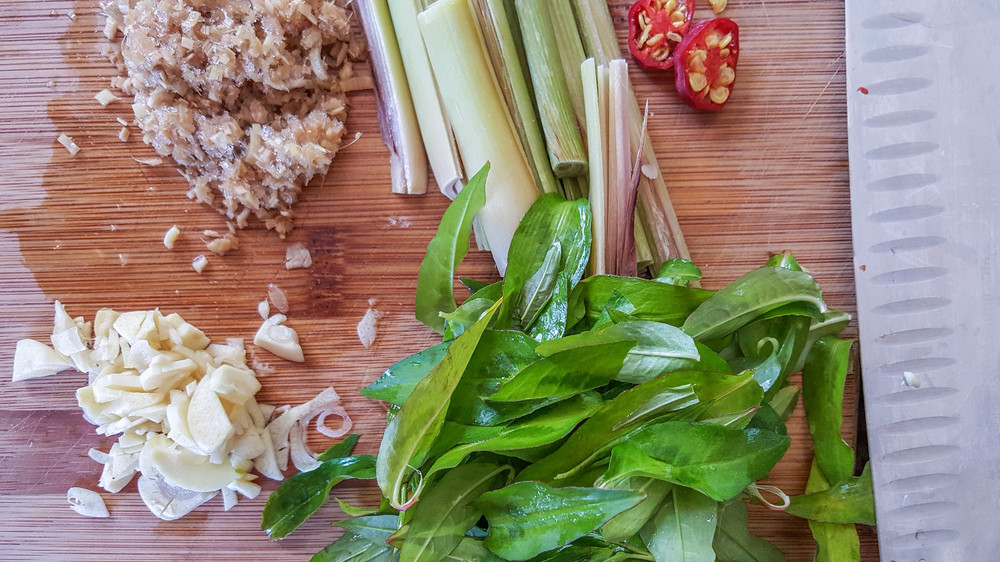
pixel 248 97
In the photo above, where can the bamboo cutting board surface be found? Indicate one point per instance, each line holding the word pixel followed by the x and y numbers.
pixel 767 174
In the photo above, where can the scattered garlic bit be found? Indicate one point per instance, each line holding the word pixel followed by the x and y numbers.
pixel 368 326
pixel 71 15
pixel 199 263
pixel 717 5
pixel 399 222
pixel 183 409
pixel 220 246
pixel 34 359
pixel 297 255
pixel 122 121
pixel 911 379
pixel 123 134
pixel 110 29
pixel 171 236
pixel 263 309
pixel 50 84
pixel 104 97
pixel 278 298
pixel 154 161
pixel 67 141
pixel 279 339
pixel 651 171
pixel 86 502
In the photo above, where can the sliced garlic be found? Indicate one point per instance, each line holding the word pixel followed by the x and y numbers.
pixel 34 359
pixel 279 339
pixel 86 502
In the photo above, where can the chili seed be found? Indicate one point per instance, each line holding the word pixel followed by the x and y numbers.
pixel 670 5
pixel 719 94
pixel 677 17
pixel 726 75
pixel 655 39
pixel 697 81
pixel 662 53
pixel 723 53
pixel 717 5
pixel 644 37
pixel 724 42
pixel 674 36
pixel 712 40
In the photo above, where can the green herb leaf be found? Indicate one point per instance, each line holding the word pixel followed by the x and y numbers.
pixel 749 297
pixel 632 520
pixel 471 550
pixel 301 495
pixel 683 528
pixel 358 511
pixel 733 540
pixel 835 542
pixel 410 434
pixel 529 518
pixel 468 312
pixel 500 356
pixel 658 302
pixel 823 397
pixel 659 348
pixel 397 382
pixel 435 282
pixel 565 373
pixel 680 272
pixel 553 236
pixel 375 528
pixel 551 321
pixel 848 501
pixel 540 428
pixel 342 449
pixel 715 460
pixel 356 549
pixel 444 514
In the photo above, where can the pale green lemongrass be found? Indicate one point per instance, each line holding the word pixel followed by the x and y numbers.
pixel 571 54
pixel 397 117
pixel 594 81
pixel 482 127
pixel 502 40
pixel 439 143
pixel 562 134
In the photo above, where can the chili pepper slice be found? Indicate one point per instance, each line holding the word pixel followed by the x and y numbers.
pixel 655 27
pixel 705 64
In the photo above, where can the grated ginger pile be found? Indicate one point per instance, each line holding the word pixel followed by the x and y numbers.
pixel 248 96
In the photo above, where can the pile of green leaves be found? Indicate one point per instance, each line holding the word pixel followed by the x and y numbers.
pixel 601 418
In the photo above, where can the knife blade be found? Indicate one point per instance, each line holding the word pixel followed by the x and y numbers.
pixel 923 81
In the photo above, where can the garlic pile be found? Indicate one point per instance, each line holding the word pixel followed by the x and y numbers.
pixel 183 408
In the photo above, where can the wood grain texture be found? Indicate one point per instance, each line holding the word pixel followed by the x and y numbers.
pixel 767 174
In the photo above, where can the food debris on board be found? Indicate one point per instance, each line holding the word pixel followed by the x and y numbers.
pixel 297 256
pixel 67 141
pixel 368 326
pixel 183 410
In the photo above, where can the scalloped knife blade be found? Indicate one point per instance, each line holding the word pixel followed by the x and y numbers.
pixel 923 94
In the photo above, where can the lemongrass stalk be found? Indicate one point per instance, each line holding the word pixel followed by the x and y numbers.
pixel 562 135
pixel 396 114
pixel 504 50
pixel 597 30
pixel 439 143
pixel 571 54
pixel 593 80
pixel 656 212
pixel 482 127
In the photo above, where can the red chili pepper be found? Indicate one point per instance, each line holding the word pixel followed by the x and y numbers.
pixel 705 63
pixel 655 27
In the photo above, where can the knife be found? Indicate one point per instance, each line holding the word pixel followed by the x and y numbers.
pixel 923 81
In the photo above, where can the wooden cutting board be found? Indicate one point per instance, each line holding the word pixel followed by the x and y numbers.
pixel 767 174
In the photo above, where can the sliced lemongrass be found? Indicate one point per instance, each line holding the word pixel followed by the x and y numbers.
pixel 655 211
pixel 562 134
pixel 594 81
pixel 501 39
pixel 397 117
pixel 570 53
pixel 439 143
pixel 482 127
